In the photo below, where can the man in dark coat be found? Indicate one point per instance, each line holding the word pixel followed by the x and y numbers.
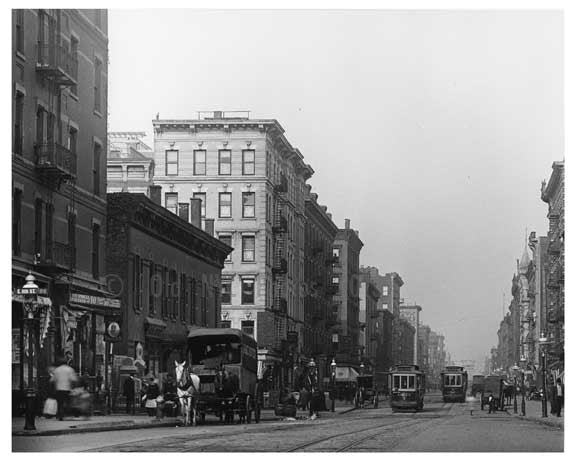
pixel 129 390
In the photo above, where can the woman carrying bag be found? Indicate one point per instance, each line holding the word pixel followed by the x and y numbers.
pixel 152 393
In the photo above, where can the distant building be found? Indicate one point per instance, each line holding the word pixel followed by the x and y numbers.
pixel 319 317
pixel 130 163
pixel 171 276
pixel 346 248
pixel 250 181
pixel 411 313
pixel 370 338
pixel 390 300
pixel 553 195
pixel 407 333
pixel 424 348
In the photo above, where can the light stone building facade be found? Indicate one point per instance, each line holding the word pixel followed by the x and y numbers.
pixel 252 183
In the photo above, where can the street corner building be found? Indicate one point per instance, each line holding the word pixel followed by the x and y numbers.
pixel 59 109
pixel 168 276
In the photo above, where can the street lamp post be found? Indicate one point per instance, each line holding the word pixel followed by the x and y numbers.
pixel 30 293
pixel 523 408
pixel 333 383
pixel 515 368
pixel 543 340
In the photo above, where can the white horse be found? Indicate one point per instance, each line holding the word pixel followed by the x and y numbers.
pixel 187 386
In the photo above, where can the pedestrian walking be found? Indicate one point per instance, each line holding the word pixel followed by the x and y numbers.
pixel 152 393
pixel 491 404
pixel 559 388
pixel 129 391
pixel 63 378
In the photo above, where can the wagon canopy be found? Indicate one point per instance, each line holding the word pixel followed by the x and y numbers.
pixel 214 335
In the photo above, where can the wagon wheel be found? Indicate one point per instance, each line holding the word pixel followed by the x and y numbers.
pixel 248 409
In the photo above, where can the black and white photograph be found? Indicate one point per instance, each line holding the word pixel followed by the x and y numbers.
pixel 293 229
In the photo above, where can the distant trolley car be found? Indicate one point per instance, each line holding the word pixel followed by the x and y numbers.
pixel 454 382
pixel 407 388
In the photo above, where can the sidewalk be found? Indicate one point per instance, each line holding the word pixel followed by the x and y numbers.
pixel 118 422
pixel 534 413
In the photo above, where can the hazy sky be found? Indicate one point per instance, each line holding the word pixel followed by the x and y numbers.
pixel 431 131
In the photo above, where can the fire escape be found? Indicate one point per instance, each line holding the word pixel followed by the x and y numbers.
pixel 55 162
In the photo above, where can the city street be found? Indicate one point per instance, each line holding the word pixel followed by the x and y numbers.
pixel 439 427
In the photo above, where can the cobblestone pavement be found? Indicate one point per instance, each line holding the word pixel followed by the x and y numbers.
pixel 440 427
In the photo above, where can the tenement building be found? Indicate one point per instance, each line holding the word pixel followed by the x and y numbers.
pixel 251 182
pixel 130 163
pixel 59 109
pixel 169 277
pixel 411 313
pixel 391 301
pixel 346 282
pixel 319 317
pixel 370 334
pixel 553 195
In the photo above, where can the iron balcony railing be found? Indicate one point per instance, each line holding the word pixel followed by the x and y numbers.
pixel 56 61
pixel 54 157
pixel 280 266
pixel 280 225
pixel 58 256
pixel 280 304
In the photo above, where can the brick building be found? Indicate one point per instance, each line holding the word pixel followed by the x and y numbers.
pixel 130 163
pixel 406 335
pixel 391 301
pixel 370 335
pixel 251 182
pixel 411 313
pixel 553 195
pixel 346 281
pixel 319 317
pixel 59 109
pixel 169 274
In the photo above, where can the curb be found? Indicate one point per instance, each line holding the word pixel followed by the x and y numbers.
pixel 103 428
pixel 539 420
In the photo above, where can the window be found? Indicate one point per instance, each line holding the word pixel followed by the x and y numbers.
pixel 152 288
pixel 97 84
pixel 72 139
pixel 38 205
pixel 17 222
pixel 385 290
pixel 164 292
pixel 335 280
pixel 74 56
pixel 248 248
pixel 201 196
pixel 248 204
pixel 336 253
pixel 204 305
pixel 136 171
pixel 225 324
pixel 225 205
pixel 224 162
pixel 40 132
pixel 248 162
pixel 171 162
pixel 247 291
pixel 96 168
pixel 49 230
pixel 20 31
pixel 194 301
pixel 114 172
pixel 95 251
pixel 404 382
pixel 227 239
pixel 172 202
pixel 136 285
pixel 226 293
pixel 199 162
pixel 247 327
pixel 18 122
pixel 183 297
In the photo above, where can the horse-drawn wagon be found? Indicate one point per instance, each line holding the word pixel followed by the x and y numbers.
pixel 366 392
pixel 219 377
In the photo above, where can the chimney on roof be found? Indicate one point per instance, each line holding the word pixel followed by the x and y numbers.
pixel 217 114
pixel 329 215
pixel 346 223
pixel 155 194
pixel 195 212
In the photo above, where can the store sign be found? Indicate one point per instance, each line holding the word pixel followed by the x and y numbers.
pixel 94 300
pixel 113 330
pixel 32 291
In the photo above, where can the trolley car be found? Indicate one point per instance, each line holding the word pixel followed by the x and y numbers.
pixel 225 360
pixel 407 388
pixel 454 384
